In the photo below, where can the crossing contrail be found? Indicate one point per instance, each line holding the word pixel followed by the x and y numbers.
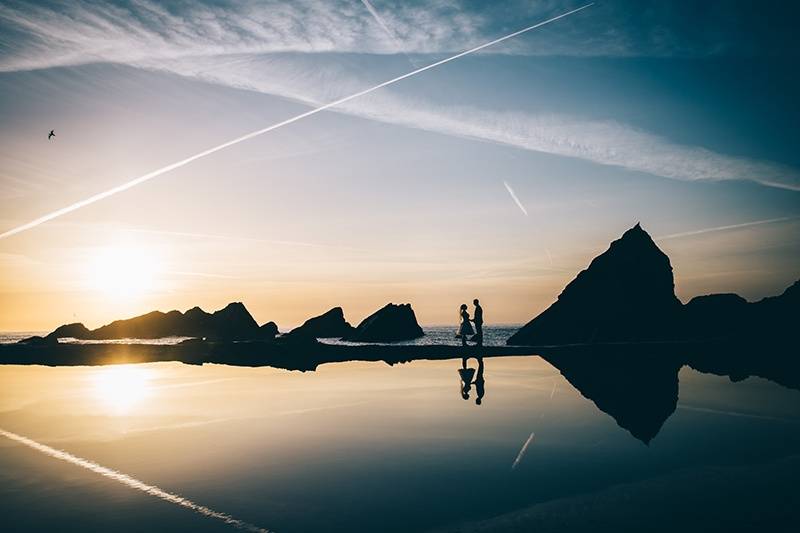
pixel 514 196
pixel 133 483
pixel 183 162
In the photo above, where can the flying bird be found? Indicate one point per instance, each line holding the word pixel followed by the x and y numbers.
pixel 51 134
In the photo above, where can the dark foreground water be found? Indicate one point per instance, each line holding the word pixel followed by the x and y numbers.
pixel 367 447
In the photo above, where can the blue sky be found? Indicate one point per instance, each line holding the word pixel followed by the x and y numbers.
pixel 681 117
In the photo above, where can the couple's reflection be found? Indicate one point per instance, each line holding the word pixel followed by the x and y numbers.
pixel 469 377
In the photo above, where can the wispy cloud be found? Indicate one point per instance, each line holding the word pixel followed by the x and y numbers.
pixel 36 34
pixel 597 141
pixel 389 33
pixel 78 32
pixel 227 46
pixel 133 483
pixel 318 109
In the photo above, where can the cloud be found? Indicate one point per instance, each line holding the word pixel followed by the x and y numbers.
pixel 37 34
pixel 238 45
pixel 598 141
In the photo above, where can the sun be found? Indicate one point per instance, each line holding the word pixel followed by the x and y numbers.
pixel 120 387
pixel 122 271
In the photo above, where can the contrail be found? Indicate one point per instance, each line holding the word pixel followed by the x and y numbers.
pixel 723 228
pixel 131 482
pixel 522 451
pixel 386 29
pixel 183 162
pixel 514 196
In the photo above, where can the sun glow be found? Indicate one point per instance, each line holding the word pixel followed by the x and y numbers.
pixel 121 387
pixel 122 271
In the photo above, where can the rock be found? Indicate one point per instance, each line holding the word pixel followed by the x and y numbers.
pixel 626 294
pixel 389 324
pixel 715 316
pixel 776 316
pixel 233 322
pixel 75 330
pixel 330 324
pixel 152 325
pixel 268 330
pixel 36 340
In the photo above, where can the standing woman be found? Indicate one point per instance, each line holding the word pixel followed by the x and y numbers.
pixel 465 328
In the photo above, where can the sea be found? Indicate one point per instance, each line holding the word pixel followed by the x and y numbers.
pixel 440 335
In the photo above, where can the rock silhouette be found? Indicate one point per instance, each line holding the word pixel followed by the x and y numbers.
pixel 626 294
pixel 233 322
pixel 391 323
pixel 330 324
pixel 714 315
pixel 75 330
pixel 639 391
pixel 268 330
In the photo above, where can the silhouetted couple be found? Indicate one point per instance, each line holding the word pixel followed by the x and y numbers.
pixel 465 327
pixel 467 374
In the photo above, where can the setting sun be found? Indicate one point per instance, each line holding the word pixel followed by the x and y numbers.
pixel 122 270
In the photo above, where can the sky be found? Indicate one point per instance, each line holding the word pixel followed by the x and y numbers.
pixel 499 175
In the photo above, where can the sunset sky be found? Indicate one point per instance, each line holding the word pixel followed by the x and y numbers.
pixel 679 116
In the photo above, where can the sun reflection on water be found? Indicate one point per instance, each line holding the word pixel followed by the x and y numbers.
pixel 120 388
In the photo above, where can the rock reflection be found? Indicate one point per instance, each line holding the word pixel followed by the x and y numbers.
pixel 638 385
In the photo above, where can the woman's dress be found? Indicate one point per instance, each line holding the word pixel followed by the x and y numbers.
pixel 465 328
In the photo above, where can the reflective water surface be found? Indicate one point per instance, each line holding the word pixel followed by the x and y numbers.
pixel 371 447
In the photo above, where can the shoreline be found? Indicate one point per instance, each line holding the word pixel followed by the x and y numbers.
pixel 308 355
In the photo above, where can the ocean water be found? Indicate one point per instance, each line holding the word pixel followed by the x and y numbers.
pixel 365 447
pixel 442 335
pixel 446 335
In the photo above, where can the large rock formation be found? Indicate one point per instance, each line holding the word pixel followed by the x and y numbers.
pixel 75 330
pixel 714 316
pixel 330 324
pixel 626 294
pixel 391 323
pixel 233 322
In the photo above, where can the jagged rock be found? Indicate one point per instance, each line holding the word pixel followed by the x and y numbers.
pixel 327 325
pixel 36 340
pixel 626 294
pixel 75 330
pixel 268 330
pixel 233 322
pixel 389 324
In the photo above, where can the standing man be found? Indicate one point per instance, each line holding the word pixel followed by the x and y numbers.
pixel 478 320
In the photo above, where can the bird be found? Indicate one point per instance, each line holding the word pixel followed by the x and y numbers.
pixel 51 134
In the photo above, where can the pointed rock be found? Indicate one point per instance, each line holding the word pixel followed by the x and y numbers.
pixel 626 294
